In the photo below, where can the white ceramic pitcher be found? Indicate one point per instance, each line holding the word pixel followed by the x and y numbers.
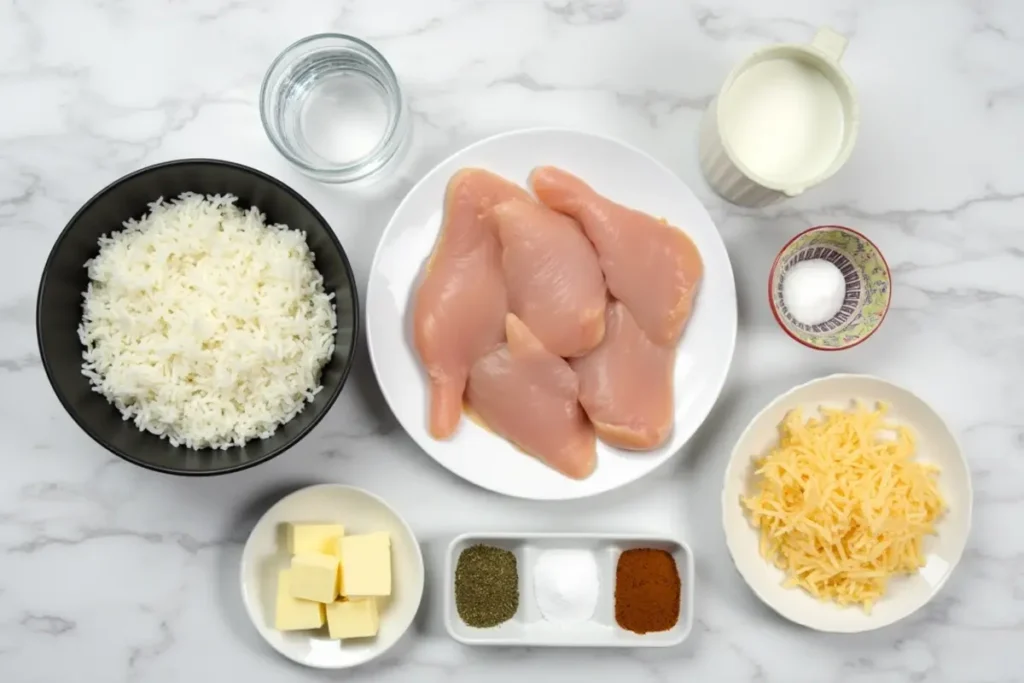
pixel 785 119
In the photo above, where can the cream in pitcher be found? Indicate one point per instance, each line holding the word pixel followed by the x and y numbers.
pixel 785 120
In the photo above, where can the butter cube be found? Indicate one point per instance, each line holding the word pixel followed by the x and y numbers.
pixel 355 618
pixel 293 614
pixel 314 577
pixel 366 565
pixel 314 538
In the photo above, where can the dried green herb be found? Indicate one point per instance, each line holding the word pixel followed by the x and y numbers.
pixel 486 586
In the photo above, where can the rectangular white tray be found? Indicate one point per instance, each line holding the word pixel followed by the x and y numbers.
pixel 529 628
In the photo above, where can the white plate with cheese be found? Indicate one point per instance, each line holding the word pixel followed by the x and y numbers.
pixel 933 445
pixel 332 577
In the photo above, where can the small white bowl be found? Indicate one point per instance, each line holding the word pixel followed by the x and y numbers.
pixel 935 444
pixel 867 281
pixel 266 553
pixel 529 627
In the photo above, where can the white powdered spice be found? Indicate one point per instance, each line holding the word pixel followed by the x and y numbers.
pixel 813 291
pixel 566 585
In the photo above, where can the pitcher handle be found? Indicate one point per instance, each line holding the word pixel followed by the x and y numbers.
pixel 830 43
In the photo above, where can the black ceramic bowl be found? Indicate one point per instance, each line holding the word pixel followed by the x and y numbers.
pixel 59 308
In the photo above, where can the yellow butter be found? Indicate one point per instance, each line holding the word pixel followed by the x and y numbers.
pixel 314 576
pixel 353 618
pixel 293 614
pixel 366 565
pixel 314 538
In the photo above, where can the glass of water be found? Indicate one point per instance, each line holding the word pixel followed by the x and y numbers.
pixel 331 104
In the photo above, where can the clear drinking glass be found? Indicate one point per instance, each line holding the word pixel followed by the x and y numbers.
pixel 331 104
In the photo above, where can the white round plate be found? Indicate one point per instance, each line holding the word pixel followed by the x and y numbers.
pixel 935 444
pixel 266 553
pixel 625 175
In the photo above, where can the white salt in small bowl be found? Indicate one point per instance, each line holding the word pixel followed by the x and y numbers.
pixel 867 287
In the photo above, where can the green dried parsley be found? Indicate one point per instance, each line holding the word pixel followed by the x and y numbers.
pixel 486 586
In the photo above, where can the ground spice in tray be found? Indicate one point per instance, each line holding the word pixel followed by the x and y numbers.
pixel 486 586
pixel 646 590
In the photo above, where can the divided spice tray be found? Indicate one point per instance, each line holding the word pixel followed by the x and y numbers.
pixel 529 627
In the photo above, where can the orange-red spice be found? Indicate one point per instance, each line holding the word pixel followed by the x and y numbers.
pixel 647 590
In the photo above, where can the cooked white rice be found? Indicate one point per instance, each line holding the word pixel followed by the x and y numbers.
pixel 203 324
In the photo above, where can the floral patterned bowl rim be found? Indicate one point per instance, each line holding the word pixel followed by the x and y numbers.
pixel 778 262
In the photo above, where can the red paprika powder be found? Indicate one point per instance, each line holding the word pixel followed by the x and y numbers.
pixel 646 590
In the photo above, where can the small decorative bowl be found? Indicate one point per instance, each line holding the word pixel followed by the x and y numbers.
pixel 868 287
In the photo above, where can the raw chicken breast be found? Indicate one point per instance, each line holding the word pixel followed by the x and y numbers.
pixel 626 384
pixel 528 395
pixel 554 281
pixel 649 265
pixel 460 307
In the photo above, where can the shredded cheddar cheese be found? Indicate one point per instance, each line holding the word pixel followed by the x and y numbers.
pixel 841 506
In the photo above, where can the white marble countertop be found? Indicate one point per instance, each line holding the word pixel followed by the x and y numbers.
pixel 112 573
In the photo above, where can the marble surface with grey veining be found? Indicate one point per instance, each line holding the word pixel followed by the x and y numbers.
pixel 109 573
